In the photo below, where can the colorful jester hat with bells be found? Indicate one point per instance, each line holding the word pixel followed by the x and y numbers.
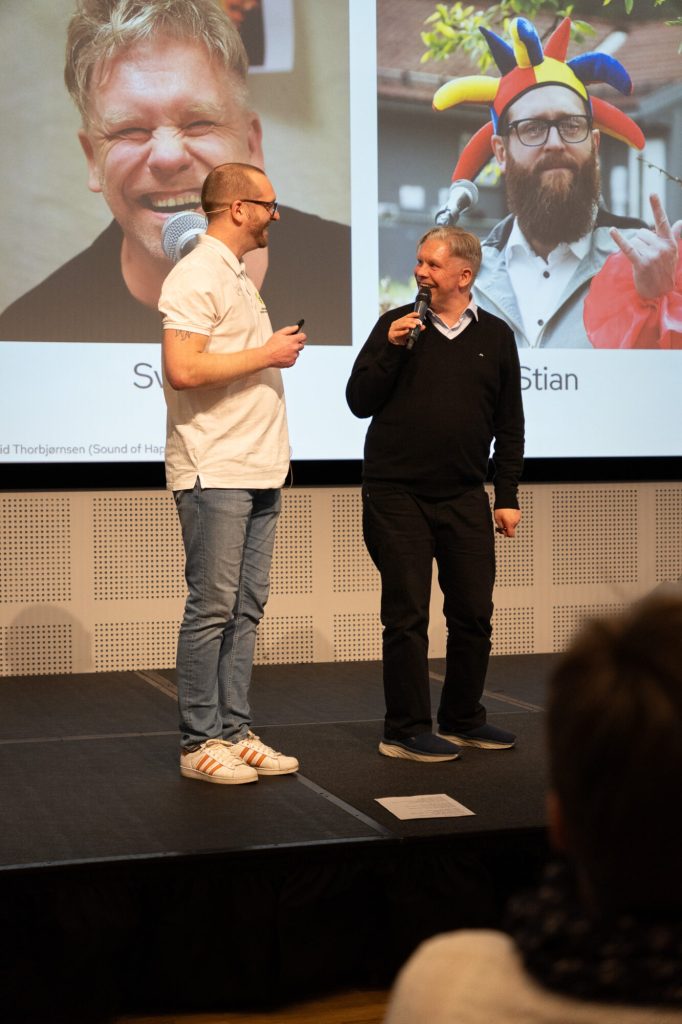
pixel 524 66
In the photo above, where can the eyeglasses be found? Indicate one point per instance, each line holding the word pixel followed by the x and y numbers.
pixel 271 206
pixel 534 131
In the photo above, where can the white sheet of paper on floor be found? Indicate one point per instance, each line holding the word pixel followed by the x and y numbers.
pixel 427 805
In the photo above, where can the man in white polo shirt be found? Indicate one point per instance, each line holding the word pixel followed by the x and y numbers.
pixel 227 455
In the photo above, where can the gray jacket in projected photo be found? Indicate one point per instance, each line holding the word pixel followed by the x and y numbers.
pixel 564 329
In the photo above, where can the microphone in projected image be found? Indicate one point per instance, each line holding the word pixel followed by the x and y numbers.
pixel 462 195
pixel 181 233
pixel 421 304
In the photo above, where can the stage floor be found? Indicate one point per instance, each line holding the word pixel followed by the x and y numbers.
pixel 89 766
pixel 125 888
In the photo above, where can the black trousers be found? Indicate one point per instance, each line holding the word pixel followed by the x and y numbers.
pixel 403 534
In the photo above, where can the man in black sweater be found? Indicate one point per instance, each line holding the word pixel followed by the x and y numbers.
pixel 436 409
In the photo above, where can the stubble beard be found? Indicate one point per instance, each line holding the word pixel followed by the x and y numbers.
pixel 261 239
pixel 558 210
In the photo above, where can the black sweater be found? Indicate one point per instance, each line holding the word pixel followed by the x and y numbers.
pixel 437 408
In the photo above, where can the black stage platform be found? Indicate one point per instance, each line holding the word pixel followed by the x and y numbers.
pixel 124 887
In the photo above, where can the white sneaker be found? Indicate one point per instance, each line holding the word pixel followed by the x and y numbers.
pixel 266 761
pixel 215 761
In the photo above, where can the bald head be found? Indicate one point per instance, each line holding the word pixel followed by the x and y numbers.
pixel 227 183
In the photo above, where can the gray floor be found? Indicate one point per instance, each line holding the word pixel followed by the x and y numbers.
pixel 88 766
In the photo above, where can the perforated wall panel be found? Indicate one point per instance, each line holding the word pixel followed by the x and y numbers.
pixel 516 555
pixel 39 650
pixel 357 637
pixel 567 619
pixel 292 560
pixel 668 533
pixel 352 569
pixel 93 581
pixel 285 640
pixel 513 631
pixel 120 646
pixel 35 549
pixel 137 548
pixel 594 536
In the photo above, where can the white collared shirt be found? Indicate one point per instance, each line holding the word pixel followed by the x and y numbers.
pixel 538 283
pixel 468 314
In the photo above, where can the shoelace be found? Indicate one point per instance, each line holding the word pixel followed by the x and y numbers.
pixel 255 743
pixel 220 750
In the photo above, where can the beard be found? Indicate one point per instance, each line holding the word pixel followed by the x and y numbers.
pixel 562 209
pixel 261 238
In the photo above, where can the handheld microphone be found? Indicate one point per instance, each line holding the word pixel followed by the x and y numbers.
pixel 180 233
pixel 421 304
pixel 461 196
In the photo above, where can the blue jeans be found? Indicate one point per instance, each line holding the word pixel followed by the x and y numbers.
pixel 229 535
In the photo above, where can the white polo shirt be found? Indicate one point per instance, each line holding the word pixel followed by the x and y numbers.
pixel 235 435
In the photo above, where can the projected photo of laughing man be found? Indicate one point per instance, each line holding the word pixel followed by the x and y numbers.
pixel 161 89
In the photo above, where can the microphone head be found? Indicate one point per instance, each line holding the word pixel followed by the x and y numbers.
pixel 461 196
pixel 180 233
pixel 423 295
pixel 468 193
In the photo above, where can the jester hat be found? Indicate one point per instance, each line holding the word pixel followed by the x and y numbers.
pixel 524 66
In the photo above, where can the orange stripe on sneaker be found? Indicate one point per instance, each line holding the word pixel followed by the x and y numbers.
pixel 208 764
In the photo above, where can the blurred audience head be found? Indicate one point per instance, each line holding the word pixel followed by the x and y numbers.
pixel 615 756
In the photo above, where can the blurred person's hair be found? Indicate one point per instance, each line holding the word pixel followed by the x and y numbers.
pixel 615 756
pixel 101 29
pixel 462 244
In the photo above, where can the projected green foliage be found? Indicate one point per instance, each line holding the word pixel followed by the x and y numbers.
pixel 456 26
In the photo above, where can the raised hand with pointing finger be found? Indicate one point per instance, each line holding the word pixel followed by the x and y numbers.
pixel 635 301
pixel 652 253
